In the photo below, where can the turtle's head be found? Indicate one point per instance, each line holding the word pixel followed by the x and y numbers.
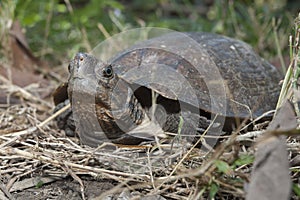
pixel 82 78
pixel 82 66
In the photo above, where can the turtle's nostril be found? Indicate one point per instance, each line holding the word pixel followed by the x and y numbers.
pixel 79 57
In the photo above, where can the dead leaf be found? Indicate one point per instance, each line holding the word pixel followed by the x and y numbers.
pixel 31 182
pixel 25 66
pixel 285 123
pixel 22 56
pixel 270 177
pixel 285 119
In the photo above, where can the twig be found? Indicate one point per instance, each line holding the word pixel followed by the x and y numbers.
pixel 32 129
pixel 75 177
pixel 5 191
pixel 103 30
pixel 58 163
pixel 249 135
pixel 25 94
pixel 191 149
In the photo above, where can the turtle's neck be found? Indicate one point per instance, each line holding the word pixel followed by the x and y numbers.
pixel 118 110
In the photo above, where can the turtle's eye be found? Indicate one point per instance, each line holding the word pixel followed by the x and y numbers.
pixel 108 71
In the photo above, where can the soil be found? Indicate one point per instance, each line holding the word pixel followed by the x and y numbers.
pixel 66 189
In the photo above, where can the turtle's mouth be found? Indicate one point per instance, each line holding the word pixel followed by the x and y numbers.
pixel 78 75
pixel 77 78
pixel 82 86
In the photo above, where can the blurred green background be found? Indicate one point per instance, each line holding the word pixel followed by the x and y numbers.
pixel 56 29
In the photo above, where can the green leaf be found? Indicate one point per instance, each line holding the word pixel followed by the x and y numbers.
pixel 181 121
pixel 31 19
pixel 114 4
pixel 61 8
pixel 39 184
pixel 296 189
pixel 214 188
pixel 222 166
pixel 243 160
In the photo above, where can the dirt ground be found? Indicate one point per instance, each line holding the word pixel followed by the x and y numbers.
pixel 65 189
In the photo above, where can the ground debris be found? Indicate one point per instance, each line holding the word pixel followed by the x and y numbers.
pixel 270 175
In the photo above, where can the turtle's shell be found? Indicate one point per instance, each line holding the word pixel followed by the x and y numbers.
pixel 223 75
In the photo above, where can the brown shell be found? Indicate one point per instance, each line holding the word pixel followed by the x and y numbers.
pixel 249 85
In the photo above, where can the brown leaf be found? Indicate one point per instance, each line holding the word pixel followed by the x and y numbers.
pixel 270 177
pixel 25 65
pixel 22 56
pixel 285 119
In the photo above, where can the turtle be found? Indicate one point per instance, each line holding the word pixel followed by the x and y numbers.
pixel 175 83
